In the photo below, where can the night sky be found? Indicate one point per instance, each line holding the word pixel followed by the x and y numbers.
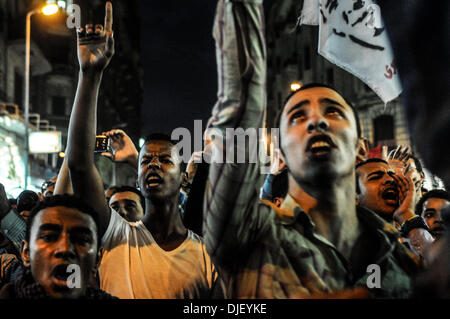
pixel 178 56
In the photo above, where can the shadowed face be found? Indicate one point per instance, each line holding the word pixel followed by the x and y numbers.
pixel 318 135
pixel 431 212
pixel 128 205
pixel 378 190
pixel 59 237
pixel 159 174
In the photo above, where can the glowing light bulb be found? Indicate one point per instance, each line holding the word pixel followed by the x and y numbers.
pixel 295 86
pixel 50 9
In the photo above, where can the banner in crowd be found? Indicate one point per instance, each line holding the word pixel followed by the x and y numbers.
pixel 352 36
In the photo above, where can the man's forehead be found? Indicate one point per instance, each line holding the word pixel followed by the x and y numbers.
pixel 124 195
pixel 374 166
pixel 62 215
pixel 315 94
pixel 436 202
pixel 158 147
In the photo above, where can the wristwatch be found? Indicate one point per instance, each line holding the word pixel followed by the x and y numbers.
pixel 410 224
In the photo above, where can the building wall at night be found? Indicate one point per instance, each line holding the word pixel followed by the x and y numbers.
pixel 293 57
pixel 12 66
pixel 54 75
pixel 11 149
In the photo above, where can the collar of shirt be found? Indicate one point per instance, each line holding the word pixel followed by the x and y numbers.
pixel 291 213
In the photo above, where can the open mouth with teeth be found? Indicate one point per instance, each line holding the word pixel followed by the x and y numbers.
pixel 154 180
pixel 319 148
pixel 320 145
pixel 390 196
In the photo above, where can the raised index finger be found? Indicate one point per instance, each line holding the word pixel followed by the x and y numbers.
pixel 108 17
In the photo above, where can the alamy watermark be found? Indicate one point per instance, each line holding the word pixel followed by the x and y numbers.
pixel 74 16
pixel 74 279
pixel 229 145
pixel 374 279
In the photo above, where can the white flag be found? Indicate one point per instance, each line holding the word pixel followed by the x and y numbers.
pixel 310 12
pixel 352 36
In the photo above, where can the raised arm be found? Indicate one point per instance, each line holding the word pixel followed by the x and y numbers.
pixel 95 49
pixel 63 183
pixel 413 226
pixel 231 223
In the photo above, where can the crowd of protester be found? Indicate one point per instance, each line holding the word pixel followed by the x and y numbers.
pixel 327 211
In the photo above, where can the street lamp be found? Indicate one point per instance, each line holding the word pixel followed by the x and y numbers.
pixel 46 10
pixel 50 9
pixel 295 86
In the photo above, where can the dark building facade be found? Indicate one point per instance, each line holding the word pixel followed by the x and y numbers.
pixel 54 76
pixel 293 58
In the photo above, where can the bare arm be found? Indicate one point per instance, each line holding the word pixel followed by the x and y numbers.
pixel 420 239
pixel 63 183
pixel 95 49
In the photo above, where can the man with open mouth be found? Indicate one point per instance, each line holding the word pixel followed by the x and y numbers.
pixel 318 243
pixel 376 187
pixel 155 255
pixel 392 197
pixel 59 253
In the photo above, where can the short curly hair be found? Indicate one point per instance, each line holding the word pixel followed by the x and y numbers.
pixel 66 200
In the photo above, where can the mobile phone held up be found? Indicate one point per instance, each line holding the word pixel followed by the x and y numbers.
pixel 101 143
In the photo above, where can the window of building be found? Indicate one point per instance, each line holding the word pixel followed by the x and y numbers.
pixel 384 130
pixel 58 105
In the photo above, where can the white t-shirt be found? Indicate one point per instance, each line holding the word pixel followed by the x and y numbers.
pixel 133 266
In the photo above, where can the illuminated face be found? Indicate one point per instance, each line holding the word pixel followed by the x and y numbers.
pixel 318 135
pixel 378 190
pixel 432 214
pixel 159 174
pixel 128 205
pixel 59 237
